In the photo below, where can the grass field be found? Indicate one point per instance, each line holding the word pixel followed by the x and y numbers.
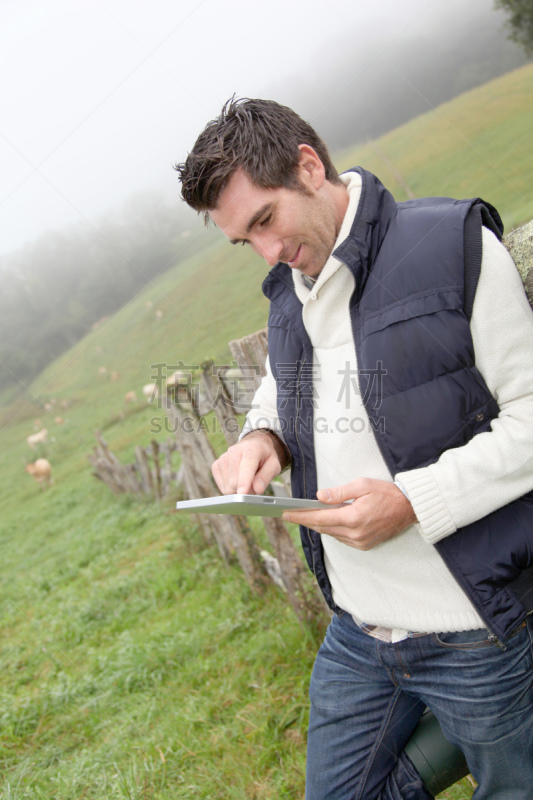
pixel 134 664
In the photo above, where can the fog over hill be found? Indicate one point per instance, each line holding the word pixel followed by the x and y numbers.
pixel 103 98
pixel 362 86
pixel 354 70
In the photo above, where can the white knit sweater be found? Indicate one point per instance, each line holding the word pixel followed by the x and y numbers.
pixel 403 583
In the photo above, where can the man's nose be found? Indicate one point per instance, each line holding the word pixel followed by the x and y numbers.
pixel 270 250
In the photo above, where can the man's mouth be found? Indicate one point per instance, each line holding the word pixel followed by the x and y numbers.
pixel 292 262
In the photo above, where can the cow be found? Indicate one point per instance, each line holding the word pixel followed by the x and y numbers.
pixel 37 438
pixel 130 397
pixel 150 392
pixel 41 471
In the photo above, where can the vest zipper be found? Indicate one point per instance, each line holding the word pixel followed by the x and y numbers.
pixel 298 400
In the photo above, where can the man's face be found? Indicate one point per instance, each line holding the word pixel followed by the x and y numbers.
pixel 296 227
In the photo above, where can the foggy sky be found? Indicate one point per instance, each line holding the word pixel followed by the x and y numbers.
pixel 99 99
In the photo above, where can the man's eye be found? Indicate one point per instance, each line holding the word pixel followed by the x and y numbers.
pixel 266 220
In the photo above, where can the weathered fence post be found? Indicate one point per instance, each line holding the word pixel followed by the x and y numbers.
pixel 108 468
pixel 156 473
pixel 137 478
pixel 304 596
pixel 251 353
pixel 231 533
pixel 220 400
pixel 144 470
pixel 167 472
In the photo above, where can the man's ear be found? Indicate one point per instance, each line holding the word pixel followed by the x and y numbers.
pixel 310 168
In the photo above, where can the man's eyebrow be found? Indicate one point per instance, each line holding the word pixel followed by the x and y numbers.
pixel 256 217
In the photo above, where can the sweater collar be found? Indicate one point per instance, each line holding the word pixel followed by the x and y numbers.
pixel 376 210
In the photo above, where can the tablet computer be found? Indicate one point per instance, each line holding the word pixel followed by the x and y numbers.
pixel 251 505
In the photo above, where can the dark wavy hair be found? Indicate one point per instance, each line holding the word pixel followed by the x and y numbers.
pixel 259 136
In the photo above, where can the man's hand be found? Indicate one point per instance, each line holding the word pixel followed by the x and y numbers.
pixel 248 466
pixel 379 512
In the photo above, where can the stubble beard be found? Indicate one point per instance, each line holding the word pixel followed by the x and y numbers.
pixel 320 243
pixel 326 233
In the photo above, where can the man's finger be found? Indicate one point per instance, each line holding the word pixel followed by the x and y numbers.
pixel 217 475
pixel 268 471
pixel 248 470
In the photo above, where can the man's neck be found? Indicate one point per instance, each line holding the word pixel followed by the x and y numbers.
pixel 347 195
pixel 341 199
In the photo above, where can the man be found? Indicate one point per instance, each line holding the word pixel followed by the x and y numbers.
pixel 400 377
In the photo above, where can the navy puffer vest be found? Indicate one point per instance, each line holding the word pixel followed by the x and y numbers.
pixel 410 318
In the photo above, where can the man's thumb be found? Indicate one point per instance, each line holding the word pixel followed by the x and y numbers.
pixel 340 494
pixel 329 495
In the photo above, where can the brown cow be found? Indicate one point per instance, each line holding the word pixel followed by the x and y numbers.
pixel 41 471
pixel 37 438
pixel 150 392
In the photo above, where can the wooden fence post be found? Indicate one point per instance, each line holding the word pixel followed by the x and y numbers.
pixel 156 472
pixel 145 472
pixel 304 596
pixel 137 478
pixel 109 469
pixel 231 533
pixel 220 401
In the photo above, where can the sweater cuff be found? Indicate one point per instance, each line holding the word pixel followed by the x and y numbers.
pixel 424 495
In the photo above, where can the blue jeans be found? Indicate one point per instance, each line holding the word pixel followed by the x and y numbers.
pixel 367 697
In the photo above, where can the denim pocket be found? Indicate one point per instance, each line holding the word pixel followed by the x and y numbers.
pixel 472 640
pixel 464 640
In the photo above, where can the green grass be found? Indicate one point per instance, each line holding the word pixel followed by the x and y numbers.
pixel 133 663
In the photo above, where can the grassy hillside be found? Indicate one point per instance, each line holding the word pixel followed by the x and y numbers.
pixel 133 664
